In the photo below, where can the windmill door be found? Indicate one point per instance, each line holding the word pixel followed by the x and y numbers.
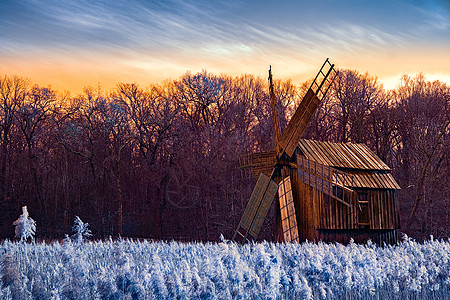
pixel 363 210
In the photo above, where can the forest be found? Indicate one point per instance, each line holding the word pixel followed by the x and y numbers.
pixel 162 162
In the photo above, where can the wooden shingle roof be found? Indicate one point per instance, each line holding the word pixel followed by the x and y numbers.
pixel 371 180
pixel 340 155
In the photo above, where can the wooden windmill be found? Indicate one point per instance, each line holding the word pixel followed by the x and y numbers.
pixel 326 191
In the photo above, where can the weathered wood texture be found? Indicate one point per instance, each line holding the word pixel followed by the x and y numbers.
pixel 256 163
pixel 383 209
pixel 345 156
pixel 307 108
pixel 369 210
pixel 342 155
pixel 327 180
pixel 287 211
pixel 299 122
pixel 256 211
pixel 317 211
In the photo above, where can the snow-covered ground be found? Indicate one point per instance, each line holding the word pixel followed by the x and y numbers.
pixel 127 269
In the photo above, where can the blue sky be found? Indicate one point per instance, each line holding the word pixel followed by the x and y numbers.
pixel 74 43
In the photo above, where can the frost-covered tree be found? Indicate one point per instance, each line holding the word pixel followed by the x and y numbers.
pixel 25 226
pixel 81 230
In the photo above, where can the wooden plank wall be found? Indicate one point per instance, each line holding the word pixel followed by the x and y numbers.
pixel 304 207
pixel 383 209
pixel 316 210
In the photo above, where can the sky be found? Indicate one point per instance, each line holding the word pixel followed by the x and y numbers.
pixel 71 44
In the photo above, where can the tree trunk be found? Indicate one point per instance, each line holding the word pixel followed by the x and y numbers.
pixel 119 199
pixel 41 203
pixel 420 183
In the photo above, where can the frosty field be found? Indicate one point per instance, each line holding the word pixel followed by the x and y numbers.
pixel 128 269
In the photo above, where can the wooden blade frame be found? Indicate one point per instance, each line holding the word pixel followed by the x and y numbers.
pixel 287 209
pixel 252 165
pixel 256 211
pixel 328 180
pixel 307 108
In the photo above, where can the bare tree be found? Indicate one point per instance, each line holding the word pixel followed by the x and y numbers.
pixel 13 91
pixel 81 134
pixel 153 115
pixel 115 125
pixel 422 120
pixel 34 110
pixel 355 96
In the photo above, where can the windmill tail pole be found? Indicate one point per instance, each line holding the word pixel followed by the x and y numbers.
pixel 276 124
pixel 422 176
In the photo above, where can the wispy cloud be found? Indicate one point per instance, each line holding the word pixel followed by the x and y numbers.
pixel 181 34
pixel 176 25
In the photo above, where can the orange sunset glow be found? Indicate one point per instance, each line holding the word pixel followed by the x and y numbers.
pixel 77 44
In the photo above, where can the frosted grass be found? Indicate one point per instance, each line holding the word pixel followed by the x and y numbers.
pixel 129 269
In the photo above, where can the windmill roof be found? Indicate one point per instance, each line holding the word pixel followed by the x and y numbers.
pixel 342 155
pixel 372 180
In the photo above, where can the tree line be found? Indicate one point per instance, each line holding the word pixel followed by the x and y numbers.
pixel 162 161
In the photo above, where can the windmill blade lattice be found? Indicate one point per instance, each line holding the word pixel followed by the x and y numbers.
pixel 287 211
pixel 307 108
pixel 256 211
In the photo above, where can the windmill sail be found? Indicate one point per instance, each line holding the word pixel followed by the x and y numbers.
pixel 307 108
pixel 287 209
pixel 257 208
pixel 252 165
